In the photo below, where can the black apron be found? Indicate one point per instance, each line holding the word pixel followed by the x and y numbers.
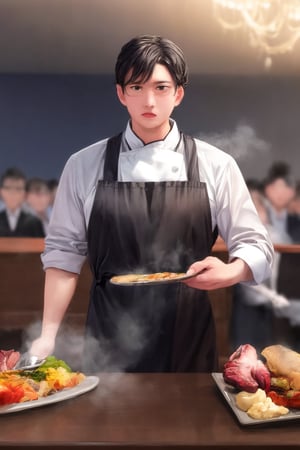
pixel 149 227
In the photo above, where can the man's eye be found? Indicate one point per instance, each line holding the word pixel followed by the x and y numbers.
pixel 135 88
pixel 163 88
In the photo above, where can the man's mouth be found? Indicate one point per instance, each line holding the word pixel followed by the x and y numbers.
pixel 149 115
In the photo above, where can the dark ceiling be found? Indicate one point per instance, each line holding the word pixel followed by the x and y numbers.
pixel 84 36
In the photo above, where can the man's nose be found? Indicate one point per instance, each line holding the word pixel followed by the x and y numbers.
pixel 149 97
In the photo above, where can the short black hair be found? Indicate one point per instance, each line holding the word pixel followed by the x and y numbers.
pixel 36 184
pixel 12 173
pixel 280 170
pixel 139 56
pixel 254 185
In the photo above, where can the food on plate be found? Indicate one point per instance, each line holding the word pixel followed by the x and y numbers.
pixel 244 400
pixel 283 362
pixel 53 375
pixel 284 366
pixel 278 377
pixel 146 277
pixel 245 371
pixel 258 405
pixel 8 359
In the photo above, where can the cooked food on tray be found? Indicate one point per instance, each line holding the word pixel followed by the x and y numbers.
pixel 147 277
pixel 53 375
pixel 268 387
pixel 245 371
pixel 8 359
pixel 258 405
pixel 283 362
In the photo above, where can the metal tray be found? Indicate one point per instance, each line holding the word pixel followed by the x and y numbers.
pixel 229 393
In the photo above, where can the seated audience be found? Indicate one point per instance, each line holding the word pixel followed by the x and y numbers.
pixel 279 189
pixel 52 185
pixel 254 307
pixel 293 218
pixel 38 198
pixel 2 206
pixel 14 220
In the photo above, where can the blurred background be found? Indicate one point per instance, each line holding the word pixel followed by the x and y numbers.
pixel 57 90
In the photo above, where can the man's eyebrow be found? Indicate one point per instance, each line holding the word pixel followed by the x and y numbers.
pixel 153 82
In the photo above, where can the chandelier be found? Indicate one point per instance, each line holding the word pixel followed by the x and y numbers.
pixel 273 26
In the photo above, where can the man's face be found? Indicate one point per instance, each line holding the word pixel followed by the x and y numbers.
pixel 13 193
pixel 39 200
pixel 150 104
pixel 280 194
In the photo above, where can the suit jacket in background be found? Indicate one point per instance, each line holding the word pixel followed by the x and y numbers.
pixel 28 225
pixel 293 227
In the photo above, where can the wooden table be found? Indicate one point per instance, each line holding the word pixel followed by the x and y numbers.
pixel 143 411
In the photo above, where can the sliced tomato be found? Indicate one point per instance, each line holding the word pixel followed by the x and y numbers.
pixel 278 399
pixel 5 395
pixel 10 393
pixel 289 400
pixel 293 399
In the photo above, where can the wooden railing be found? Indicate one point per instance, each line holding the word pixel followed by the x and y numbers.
pixel 36 245
pixel 21 245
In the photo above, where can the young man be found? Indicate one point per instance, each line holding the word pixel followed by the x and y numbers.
pixel 149 200
pixel 14 220
pixel 38 198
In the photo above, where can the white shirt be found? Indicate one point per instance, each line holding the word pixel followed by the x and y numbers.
pixel 13 217
pixel 231 206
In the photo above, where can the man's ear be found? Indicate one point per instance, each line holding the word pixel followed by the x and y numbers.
pixel 179 95
pixel 120 94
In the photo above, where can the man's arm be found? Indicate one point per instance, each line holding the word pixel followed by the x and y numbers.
pixel 60 287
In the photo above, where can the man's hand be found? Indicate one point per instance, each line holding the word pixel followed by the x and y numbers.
pixel 42 347
pixel 215 274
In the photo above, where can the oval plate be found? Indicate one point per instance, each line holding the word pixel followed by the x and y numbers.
pixel 134 279
pixel 89 383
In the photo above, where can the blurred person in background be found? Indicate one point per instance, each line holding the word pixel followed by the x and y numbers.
pixel 38 198
pixel 15 221
pixel 253 307
pixel 52 185
pixel 279 189
pixel 293 218
pixel 2 204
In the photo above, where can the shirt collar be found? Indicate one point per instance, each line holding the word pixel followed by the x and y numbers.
pixel 14 213
pixel 170 141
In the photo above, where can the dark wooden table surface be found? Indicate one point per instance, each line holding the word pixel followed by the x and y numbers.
pixel 143 411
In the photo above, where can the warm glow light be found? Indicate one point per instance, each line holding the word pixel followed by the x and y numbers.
pixel 273 25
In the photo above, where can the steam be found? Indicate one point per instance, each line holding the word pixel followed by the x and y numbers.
pixel 132 334
pixel 243 143
pixel 69 343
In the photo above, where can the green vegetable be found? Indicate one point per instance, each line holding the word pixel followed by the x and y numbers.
pixel 54 363
pixel 40 373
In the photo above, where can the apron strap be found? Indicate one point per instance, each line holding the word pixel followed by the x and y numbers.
pixel 191 158
pixel 192 161
pixel 110 171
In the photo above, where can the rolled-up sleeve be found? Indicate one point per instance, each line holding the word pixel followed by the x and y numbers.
pixel 66 241
pixel 234 213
